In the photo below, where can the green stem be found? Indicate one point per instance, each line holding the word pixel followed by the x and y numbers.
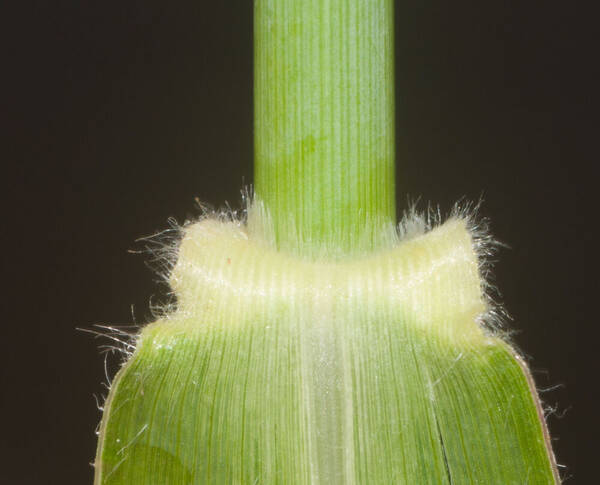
pixel 324 122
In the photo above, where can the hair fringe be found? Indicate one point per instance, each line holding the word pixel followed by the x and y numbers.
pixel 162 249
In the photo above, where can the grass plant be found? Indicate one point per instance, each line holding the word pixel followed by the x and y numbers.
pixel 315 340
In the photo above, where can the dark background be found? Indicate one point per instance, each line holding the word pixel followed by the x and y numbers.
pixel 115 115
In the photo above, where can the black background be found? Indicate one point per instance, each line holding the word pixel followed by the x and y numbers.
pixel 116 115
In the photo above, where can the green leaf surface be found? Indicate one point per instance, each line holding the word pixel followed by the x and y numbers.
pixel 276 369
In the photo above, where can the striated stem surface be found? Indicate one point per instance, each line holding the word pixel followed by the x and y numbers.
pixel 324 122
